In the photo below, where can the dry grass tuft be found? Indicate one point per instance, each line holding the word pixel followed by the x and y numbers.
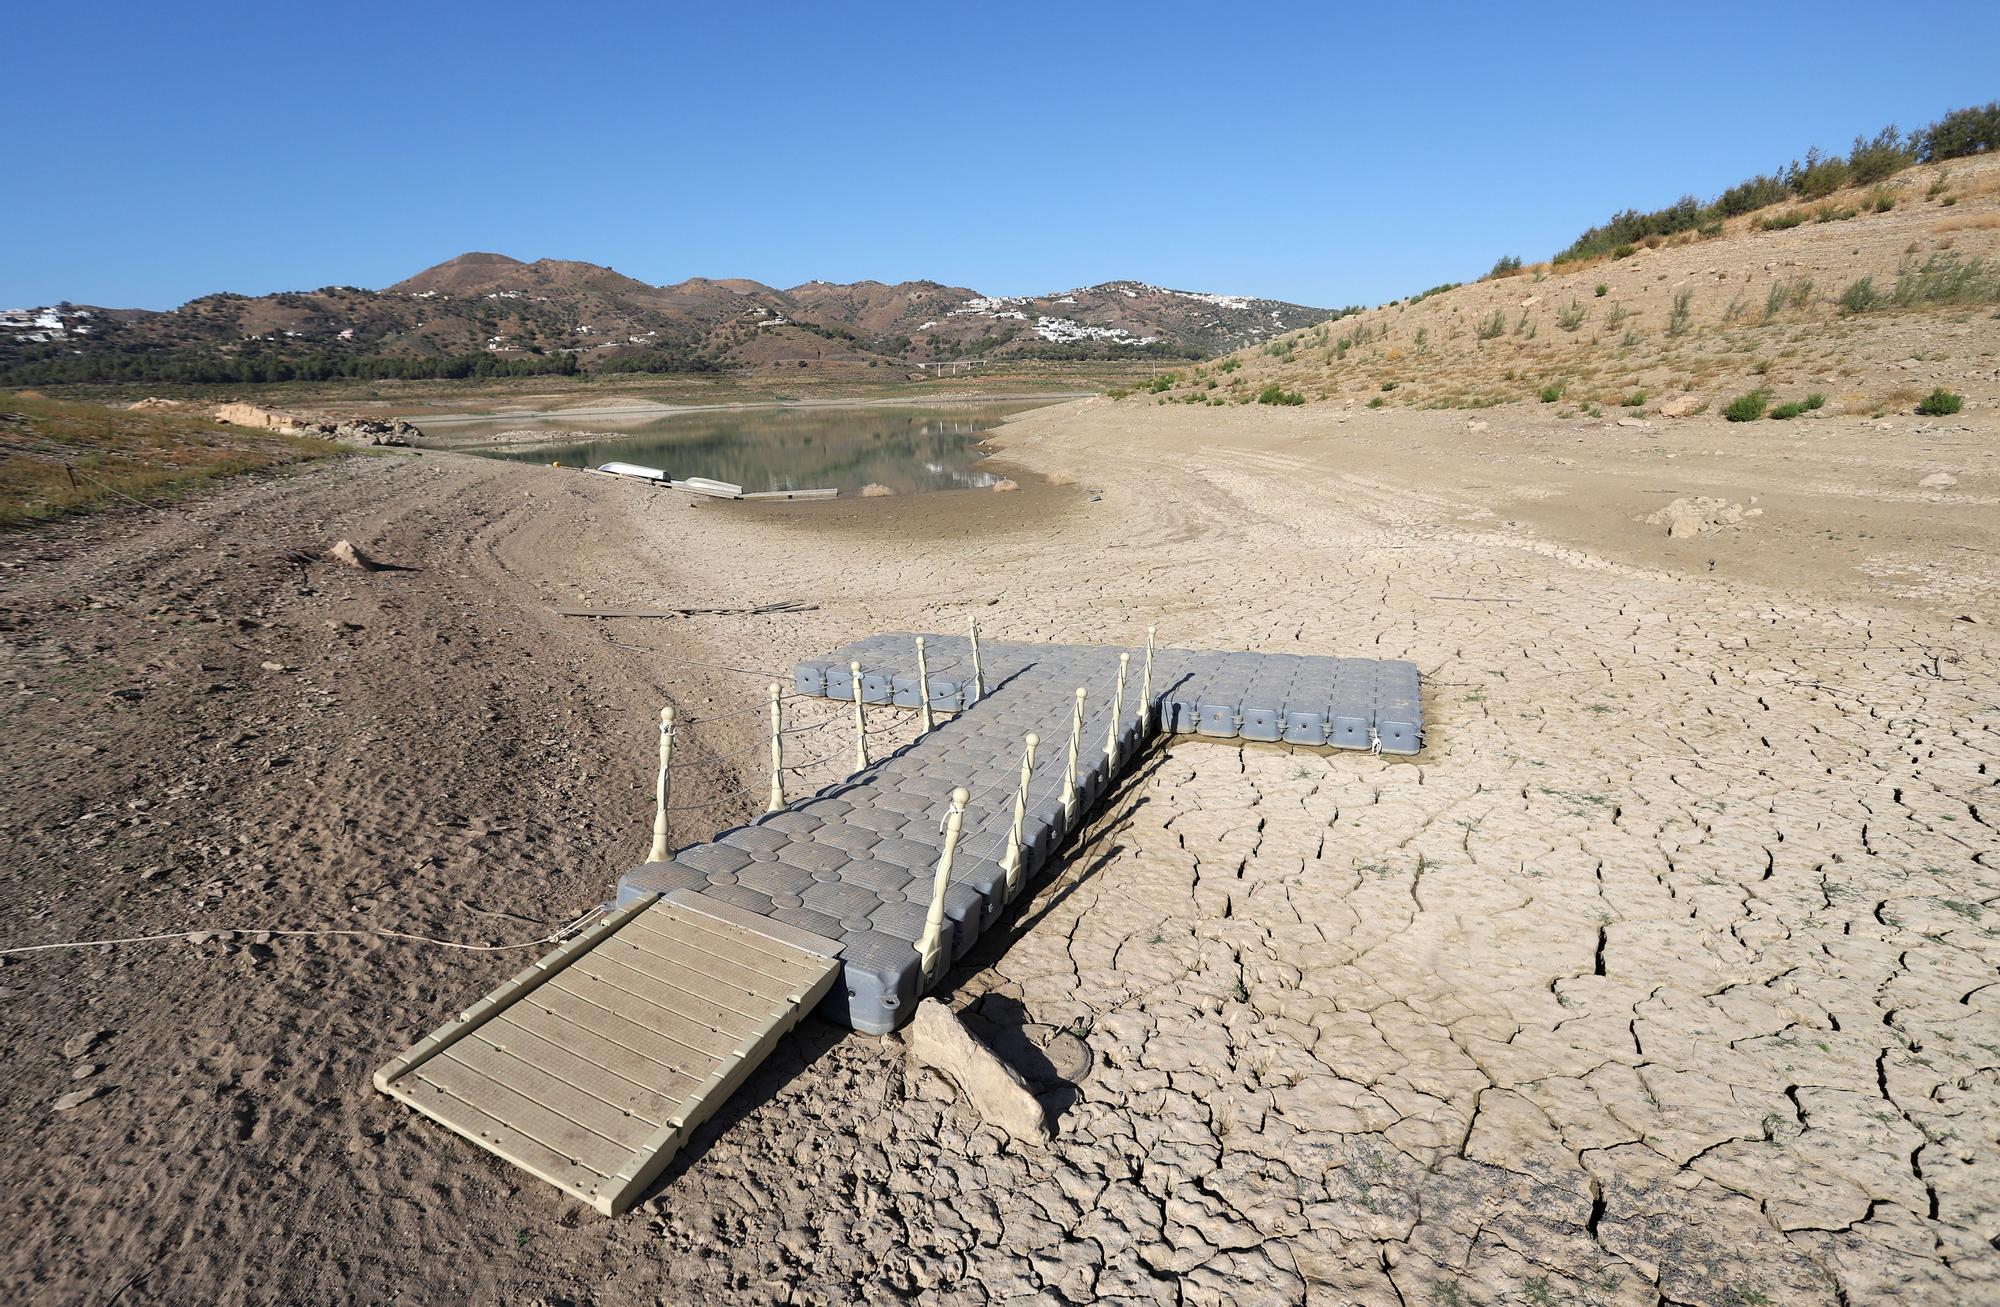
pixel 59 458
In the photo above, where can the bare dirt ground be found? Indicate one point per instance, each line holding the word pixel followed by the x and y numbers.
pixel 1666 973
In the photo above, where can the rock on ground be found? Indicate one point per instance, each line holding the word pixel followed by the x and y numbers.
pixel 936 1038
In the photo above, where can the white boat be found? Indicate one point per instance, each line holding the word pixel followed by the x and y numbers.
pixel 632 470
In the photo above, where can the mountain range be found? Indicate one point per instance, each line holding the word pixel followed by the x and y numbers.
pixel 533 316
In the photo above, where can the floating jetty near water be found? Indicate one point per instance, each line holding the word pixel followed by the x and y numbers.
pixel 590 1068
pixel 705 486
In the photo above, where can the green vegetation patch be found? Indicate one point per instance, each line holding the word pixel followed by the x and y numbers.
pixel 1748 408
pixel 1941 403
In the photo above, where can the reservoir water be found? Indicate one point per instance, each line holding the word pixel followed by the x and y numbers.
pixel 902 449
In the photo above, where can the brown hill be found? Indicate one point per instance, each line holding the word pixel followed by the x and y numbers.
pixel 565 313
pixel 1870 298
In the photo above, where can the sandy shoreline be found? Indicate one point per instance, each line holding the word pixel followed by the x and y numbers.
pixel 1665 972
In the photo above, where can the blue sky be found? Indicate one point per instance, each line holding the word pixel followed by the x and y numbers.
pixel 1312 153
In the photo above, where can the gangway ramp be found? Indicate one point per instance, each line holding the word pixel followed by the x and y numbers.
pixel 592 1067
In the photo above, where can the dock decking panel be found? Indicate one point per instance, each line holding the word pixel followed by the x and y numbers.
pixel 590 1068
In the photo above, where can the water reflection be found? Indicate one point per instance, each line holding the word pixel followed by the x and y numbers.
pixel 904 450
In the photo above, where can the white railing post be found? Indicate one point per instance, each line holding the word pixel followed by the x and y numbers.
pixel 1146 689
pixel 930 949
pixel 923 686
pixel 1069 770
pixel 978 677
pixel 1117 719
pixel 658 853
pixel 1014 862
pixel 777 752
pixel 860 722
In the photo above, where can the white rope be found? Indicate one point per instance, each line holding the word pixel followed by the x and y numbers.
pixel 555 936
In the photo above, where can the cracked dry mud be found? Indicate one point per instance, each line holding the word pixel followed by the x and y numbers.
pixel 1665 974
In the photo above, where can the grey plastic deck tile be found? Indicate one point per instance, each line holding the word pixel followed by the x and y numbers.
pixel 854 863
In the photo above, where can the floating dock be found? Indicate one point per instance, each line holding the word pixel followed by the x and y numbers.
pixel 590 1068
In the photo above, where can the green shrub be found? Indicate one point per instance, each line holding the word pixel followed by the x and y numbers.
pixel 1760 192
pixel 1388 385
pixel 1505 266
pixel 1886 155
pixel 1816 400
pixel 1376 402
pixel 1230 365
pixel 1601 290
pixel 1571 316
pixel 1834 213
pixel 1860 296
pixel 1709 230
pixel 1819 175
pixel 1551 392
pixel 1165 381
pixel 1621 251
pixel 1117 392
pixel 1941 403
pixel 1748 408
pixel 1787 292
pixel 1959 133
pixel 1782 221
pixel 1637 399
pixel 1882 201
pixel 1682 315
pixel 1785 412
pixel 1947 278
pixel 1277 394
pixel 1488 328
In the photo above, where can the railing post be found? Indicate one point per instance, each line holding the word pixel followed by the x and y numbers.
pixel 1014 862
pixel 1117 718
pixel 860 722
pixel 923 686
pixel 1145 712
pixel 1069 771
pixel 658 853
pixel 978 677
pixel 777 752
pixel 930 949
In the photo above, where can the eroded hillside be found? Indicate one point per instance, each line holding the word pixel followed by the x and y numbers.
pixel 1871 298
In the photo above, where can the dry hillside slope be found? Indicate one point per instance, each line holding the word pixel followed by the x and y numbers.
pixel 1687 324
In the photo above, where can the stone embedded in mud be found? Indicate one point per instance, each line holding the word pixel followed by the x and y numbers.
pixel 76 1098
pixel 937 1039
pixel 1681 406
pixel 344 551
pixel 1939 481
pixel 1699 515
pixel 82 1042
pixel 1003 485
